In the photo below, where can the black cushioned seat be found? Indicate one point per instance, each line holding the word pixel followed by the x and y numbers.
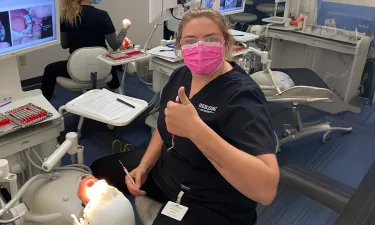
pixel 304 77
pixel 360 209
pixel 316 186
pixel 356 207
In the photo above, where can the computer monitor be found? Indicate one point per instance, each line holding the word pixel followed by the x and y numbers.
pixel 226 7
pixel 161 9
pixel 25 26
pixel 28 25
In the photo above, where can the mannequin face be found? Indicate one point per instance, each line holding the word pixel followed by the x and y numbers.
pixel 18 20
pixel 103 207
pixel 18 24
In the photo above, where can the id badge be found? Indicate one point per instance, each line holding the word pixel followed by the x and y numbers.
pixel 174 211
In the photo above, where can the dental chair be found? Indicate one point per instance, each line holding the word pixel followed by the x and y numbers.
pixel 291 87
pixel 86 72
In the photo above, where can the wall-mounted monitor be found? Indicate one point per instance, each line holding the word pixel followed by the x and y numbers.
pixel 28 25
pixel 226 7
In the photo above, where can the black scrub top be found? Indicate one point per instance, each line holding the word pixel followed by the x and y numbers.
pixel 234 106
pixel 90 32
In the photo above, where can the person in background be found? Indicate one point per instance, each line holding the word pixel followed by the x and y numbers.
pixel 216 144
pixel 83 25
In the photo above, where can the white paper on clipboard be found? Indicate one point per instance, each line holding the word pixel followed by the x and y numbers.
pixel 104 104
pixel 165 52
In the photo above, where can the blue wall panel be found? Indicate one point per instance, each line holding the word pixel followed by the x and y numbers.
pixel 348 17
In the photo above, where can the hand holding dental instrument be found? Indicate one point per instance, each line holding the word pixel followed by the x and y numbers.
pixel 177 101
pixel 127 173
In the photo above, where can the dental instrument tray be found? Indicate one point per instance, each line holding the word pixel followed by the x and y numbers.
pixel 22 117
pixel 7 125
pixel 124 55
pixel 277 20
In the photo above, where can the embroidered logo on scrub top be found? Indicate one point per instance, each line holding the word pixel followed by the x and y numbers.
pixel 206 108
pixel 186 188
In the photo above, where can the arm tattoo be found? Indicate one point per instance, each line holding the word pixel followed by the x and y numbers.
pixel 212 160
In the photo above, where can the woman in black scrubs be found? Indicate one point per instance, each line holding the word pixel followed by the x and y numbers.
pixel 222 154
pixel 83 25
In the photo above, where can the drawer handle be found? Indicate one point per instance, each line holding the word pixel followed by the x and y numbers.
pixel 163 71
pixel 279 37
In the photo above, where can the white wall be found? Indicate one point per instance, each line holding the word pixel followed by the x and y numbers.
pixel 37 60
pixel 135 10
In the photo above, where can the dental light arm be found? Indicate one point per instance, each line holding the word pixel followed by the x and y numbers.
pixel 70 145
pixel 167 42
pixel 266 62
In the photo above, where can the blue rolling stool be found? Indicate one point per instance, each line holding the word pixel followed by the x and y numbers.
pixel 269 8
pixel 243 18
pixel 249 2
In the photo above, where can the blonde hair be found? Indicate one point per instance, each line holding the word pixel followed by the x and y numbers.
pixel 71 12
pixel 216 17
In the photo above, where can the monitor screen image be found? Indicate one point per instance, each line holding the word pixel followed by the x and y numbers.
pixel 209 4
pixel 231 5
pixel 26 23
pixel 226 6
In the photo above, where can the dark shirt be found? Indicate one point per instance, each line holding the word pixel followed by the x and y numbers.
pixel 91 31
pixel 234 106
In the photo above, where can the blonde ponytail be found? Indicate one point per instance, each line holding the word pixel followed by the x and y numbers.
pixel 71 12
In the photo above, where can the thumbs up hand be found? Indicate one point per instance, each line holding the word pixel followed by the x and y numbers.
pixel 181 118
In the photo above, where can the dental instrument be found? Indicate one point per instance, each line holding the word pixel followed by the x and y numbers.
pixel 128 174
pixel 176 101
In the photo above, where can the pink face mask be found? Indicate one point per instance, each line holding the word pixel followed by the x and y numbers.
pixel 203 60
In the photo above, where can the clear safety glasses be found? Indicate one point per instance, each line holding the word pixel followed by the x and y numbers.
pixel 191 43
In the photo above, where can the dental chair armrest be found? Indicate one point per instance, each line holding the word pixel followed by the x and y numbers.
pixel 361 208
pixel 320 188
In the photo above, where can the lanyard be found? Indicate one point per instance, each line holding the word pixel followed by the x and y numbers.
pixel 179 197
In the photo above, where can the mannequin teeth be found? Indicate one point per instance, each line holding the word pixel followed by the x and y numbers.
pixel 28 29
pixel 2 34
pixel 28 19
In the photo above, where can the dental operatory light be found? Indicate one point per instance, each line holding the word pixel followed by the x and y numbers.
pixel 96 189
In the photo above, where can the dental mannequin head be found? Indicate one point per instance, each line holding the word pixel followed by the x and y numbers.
pixel 106 206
